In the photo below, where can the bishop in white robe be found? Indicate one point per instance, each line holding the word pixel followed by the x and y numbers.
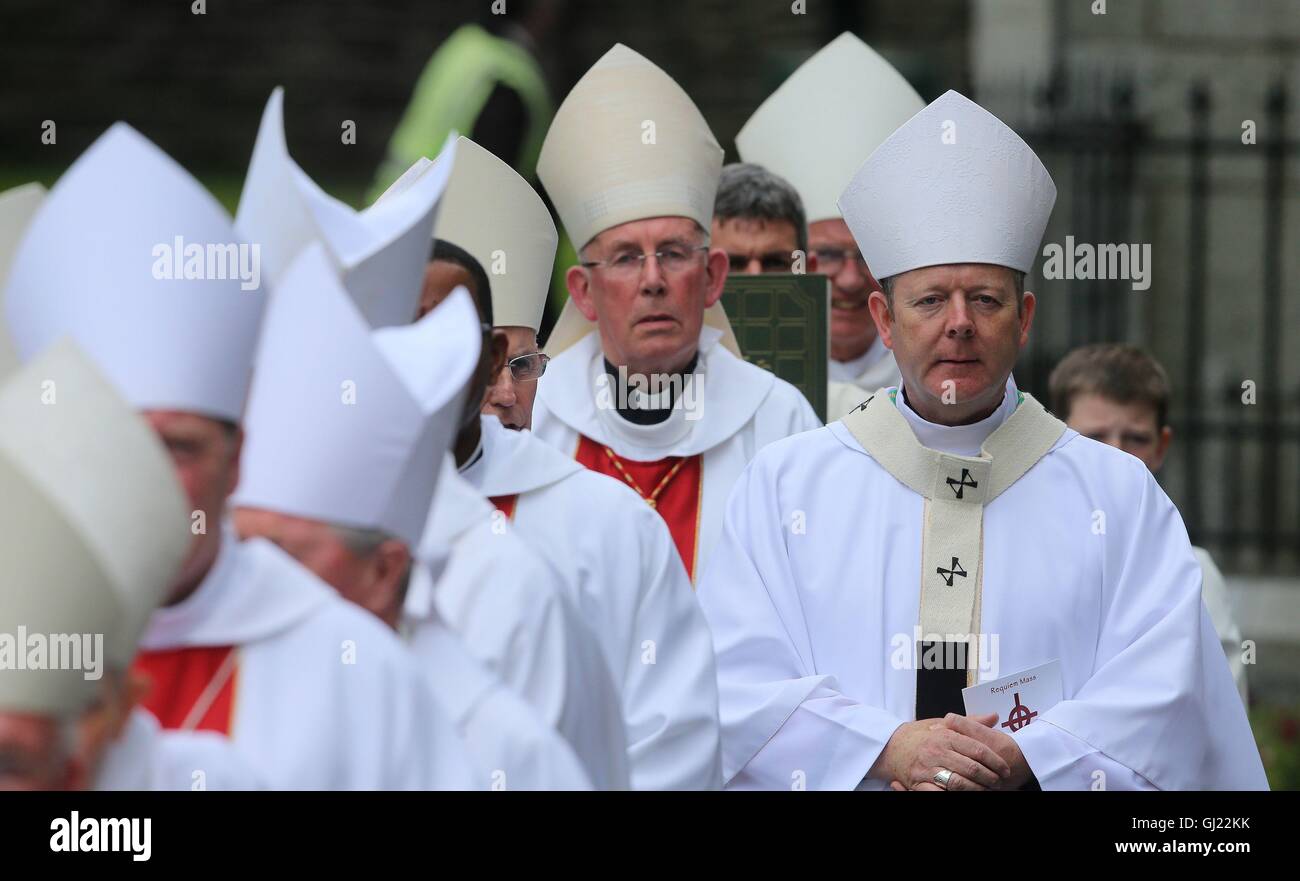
pixel 313 692
pixel 628 583
pixel 1029 543
pixel 625 577
pixel 632 324
pixel 510 609
pixel 812 602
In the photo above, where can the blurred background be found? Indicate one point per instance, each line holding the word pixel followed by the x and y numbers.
pixel 1172 123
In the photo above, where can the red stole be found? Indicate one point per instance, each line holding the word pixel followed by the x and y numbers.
pixel 678 502
pixel 189 682
pixel 506 504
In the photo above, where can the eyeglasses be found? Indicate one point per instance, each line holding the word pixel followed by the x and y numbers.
pixel 674 258
pixel 831 260
pixel 780 262
pixel 527 368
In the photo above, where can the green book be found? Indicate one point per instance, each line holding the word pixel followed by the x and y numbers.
pixel 782 325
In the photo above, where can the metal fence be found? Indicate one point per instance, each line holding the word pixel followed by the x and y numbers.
pixel 1234 470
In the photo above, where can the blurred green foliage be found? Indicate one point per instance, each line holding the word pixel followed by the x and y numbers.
pixel 1277 731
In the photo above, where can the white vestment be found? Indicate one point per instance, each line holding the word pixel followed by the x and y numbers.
pixel 852 382
pixel 813 599
pixel 511 748
pixel 627 579
pixel 145 758
pixel 740 409
pixel 510 609
pixel 325 696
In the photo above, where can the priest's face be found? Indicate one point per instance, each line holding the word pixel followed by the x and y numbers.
pixel 649 312
pixel 956 332
pixel 205 453
pixel 510 399
pixel 374 579
pixel 756 245
pixel 1129 427
pixel 836 251
pixel 34 754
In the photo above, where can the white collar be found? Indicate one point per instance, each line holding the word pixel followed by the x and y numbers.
pixel 624 434
pixel 514 462
pixel 732 391
pixel 253 590
pixel 959 440
pixel 849 371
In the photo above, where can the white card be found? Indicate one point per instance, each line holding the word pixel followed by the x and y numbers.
pixel 1018 699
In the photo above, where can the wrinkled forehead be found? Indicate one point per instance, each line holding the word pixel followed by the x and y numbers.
pixel 650 232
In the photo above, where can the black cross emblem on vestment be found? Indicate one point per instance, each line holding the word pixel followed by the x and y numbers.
pixel 959 486
pixel 948 574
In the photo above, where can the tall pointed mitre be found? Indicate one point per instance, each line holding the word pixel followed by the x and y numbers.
pixel 497 216
pixel 346 424
pixel 960 186
pixel 380 252
pixel 16 209
pixel 92 521
pixel 105 260
pixel 825 119
pixel 628 144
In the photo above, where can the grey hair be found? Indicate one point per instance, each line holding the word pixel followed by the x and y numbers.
pixel 365 542
pixel 751 192
pixel 1017 281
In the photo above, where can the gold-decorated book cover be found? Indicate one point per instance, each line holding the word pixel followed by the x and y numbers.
pixel 781 323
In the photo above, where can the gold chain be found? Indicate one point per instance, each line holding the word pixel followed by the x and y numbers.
pixel 652 499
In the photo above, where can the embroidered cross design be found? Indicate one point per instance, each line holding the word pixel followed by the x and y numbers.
pixel 949 574
pixel 959 486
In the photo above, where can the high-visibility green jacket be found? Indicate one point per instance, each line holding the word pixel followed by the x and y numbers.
pixel 451 93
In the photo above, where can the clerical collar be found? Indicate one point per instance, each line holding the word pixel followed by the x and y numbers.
pixel 848 371
pixel 643 408
pixel 959 440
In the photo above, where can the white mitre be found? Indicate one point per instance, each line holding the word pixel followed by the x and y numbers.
pixel 380 252
pixel 954 185
pixel 827 117
pixel 496 215
pixel 93 523
pixel 134 259
pixel 627 144
pixel 348 425
pixel 16 209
